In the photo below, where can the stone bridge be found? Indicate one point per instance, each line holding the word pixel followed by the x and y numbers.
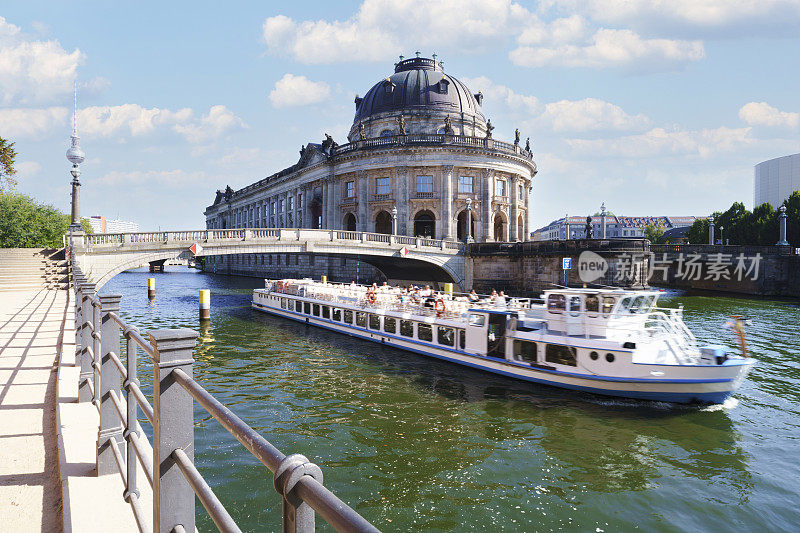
pixel 102 256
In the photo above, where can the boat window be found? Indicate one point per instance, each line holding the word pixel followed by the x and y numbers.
pixel 592 303
pixel 424 332
pixel 307 307
pixel 563 355
pixel 298 306
pixel 462 339
pixel 406 328
pixel 336 314
pixel 283 303
pixel 610 357
pixel 389 324
pixel 326 311
pixel 647 304
pixel 361 319
pixel 445 336
pixel 316 309
pixel 624 304
pixel 636 305
pixel 608 305
pixel 556 303
pixel 574 305
pixel 477 320
pixel 348 316
pixel 525 351
pixel 374 322
pixel 594 356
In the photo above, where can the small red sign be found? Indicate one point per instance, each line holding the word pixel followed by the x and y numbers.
pixel 404 251
pixel 195 249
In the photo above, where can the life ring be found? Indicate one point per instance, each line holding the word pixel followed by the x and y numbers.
pixel 371 296
pixel 440 307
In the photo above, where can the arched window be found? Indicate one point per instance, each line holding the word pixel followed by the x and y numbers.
pixel 383 223
pixel 349 222
pixel 521 229
pixel 425 224
pixel 500 231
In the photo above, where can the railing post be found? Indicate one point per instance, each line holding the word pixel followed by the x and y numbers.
pixel 86 377
pixel 298 516
pixel 97 335
pixel 173 428
pixel 132 424
pixel 110 421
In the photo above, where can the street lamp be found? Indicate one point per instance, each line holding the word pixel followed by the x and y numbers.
pixel 721 240
pixel 782 228
pixel 468 221
pixel 394 220
pixel 711 230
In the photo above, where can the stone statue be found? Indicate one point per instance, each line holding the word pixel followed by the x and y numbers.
pixel 589 228
pixel 361 134
pixel 528 145
pixel 516 137
pixel 328 143
pixel 448 126
pixel 228 192
pixel 489 129
pixel 401 121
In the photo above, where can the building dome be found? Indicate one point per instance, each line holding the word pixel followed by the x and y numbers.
pixel 419 85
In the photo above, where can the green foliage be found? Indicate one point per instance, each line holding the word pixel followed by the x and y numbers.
pixel 655 233
pixel 26 224
pixel 737 225
pixel 87 228
pixel 7 170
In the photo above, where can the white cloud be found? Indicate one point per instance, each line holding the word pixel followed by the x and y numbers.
pixel 33 71
pixel 217 122
pixel 698 17
pixel 590 114
pixel 293 90
pixel 23 123
pixel 28 169
pixel 663 142
pixel 763 114
pixel 383 28
pixel 494 92
pixel 612 48
pixel 167 178
pixel 135 121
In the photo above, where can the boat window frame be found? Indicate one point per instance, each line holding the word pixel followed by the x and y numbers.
pixel 326 312
pixel 307 308
pixel 571 301
pixel 371 318
pixel 348 316
pixel 440 337
pixel 556 303
pixel 361 319
pixel 403 328
pixel 555 353
pixel 390 320
pixel 428 328
pixel 607 306
pixel 462 338
pixel 298 306
pixel 595 300
pixel 315 309
pixel 520 355
pixel 336 311
pixel 477 320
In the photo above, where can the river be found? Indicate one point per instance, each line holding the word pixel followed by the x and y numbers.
pixel 419 444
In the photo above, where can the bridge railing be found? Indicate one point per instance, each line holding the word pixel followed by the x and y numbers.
pixel 733 249
pixel 112 385
pixel 249 234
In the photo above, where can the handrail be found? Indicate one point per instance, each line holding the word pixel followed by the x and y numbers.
pixel 298 481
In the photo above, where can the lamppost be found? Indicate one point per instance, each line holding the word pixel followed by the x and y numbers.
pixel 711 230
pixel 721 240
pixel 468 221
pixel 603 223
pixel 782 234
pixel 394 220
pixel 566 227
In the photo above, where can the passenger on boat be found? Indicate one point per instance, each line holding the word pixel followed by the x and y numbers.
pixel 493 296
pixel 500 301
pixel 473 296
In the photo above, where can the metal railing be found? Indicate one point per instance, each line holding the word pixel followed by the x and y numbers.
pixel 169 468
pixel 433 138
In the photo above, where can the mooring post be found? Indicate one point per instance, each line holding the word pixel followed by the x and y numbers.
pixel 205 304
pixel 173 429
pixel 151 287
pixel 111 427
pixel 86 378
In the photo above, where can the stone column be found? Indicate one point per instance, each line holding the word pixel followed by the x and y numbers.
pixel 782 229
pixel 711 230
pixel 401 185
pixel 324 204
pixel 447 202
pixel 362 193
pixel 336 195
pixel 486 206
pixel 513 227
pixel 330 203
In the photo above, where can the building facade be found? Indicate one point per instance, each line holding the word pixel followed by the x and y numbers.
pixel 617 227
pixel 776 179
pixel 101 224
pixel 418 153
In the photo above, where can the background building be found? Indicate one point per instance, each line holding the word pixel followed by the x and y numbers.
pixel 776 180
pixel 420 145
pixel 101 224
pixel 617 227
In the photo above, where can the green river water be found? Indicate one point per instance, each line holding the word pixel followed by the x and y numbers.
pixel 420 445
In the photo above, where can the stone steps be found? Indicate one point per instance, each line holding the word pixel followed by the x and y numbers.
pixel 32 269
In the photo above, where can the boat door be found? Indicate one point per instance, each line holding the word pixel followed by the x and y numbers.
pixel 476 333
pixel 496 335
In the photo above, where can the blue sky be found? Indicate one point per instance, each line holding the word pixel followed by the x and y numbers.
pixel 654 107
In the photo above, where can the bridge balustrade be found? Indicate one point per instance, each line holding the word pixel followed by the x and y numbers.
pixel 169 468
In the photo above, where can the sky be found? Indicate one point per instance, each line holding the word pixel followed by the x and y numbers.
pixel 655 107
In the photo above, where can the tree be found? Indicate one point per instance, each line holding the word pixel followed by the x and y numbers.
pixel 793 221
pixel 7 170
pixel 26 224
pixel 698 232
pixel 655 233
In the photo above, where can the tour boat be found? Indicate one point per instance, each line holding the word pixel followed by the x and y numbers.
pixel 613 342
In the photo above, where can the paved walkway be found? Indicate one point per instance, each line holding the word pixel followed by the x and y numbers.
pixel 30 333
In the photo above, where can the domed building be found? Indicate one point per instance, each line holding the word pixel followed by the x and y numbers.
pixel 419 146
